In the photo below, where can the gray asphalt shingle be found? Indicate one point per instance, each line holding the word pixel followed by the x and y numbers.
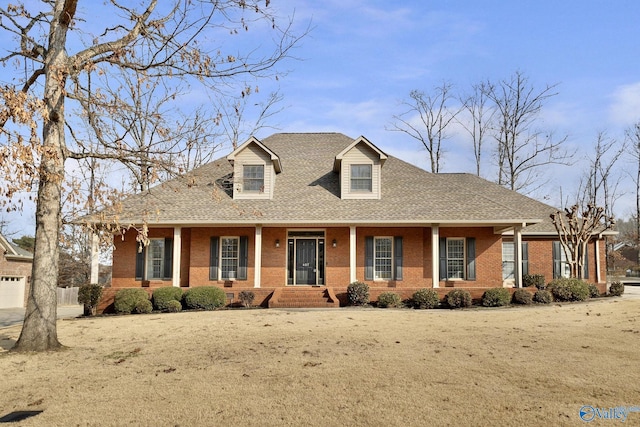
pixel 308 191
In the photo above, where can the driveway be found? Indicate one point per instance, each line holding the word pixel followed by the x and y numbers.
pixel 13 316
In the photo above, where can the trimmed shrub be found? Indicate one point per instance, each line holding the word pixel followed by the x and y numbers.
pixel 522 296
pixel 542 297
pixel 496 297
pixel 425 298
pixel 143 306
pixel 593 291
pixel 389 299
pixel 90 295
pixel 358 293
pixel 125 300
pixel 458 298
pixel 204 298
pixel 536 280
pixel 174 306
pixel 616 289
pixel 162 296
pixel 569 289
pixel 246 298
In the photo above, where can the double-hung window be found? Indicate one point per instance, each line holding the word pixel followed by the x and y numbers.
pixel 229 251
pixel 228 258
pixel 508 260
pixel 383 258
pixel 154 262
pixel 455 258
pixel 361 178
pixel 253 178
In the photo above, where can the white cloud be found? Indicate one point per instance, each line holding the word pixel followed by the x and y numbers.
pixel 625 108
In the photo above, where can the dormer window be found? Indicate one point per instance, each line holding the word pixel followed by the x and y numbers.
pixel 361 178
pixel 253 178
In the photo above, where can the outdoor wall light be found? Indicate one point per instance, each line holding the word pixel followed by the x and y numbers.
pixel 334 243
pixel 277 243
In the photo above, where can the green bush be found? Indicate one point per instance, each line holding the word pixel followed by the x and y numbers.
pixel 458 298
pixel 569 289
pixel 90 295
pixel 246 298
pixel 204 298
pixel 162 296
pixel 425 298
pixel 358 293
pixel 389 299
pixel 616 289
pixel 536 280
pixel 143 306
pixel 593 291
pixel 542 297
pixel 174 306
pixel 522 296
pixel 496 297
pixel 125 300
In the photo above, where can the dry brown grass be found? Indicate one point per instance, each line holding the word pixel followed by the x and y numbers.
pixel 514 366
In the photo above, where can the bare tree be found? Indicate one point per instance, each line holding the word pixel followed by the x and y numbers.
pixel 522 149
pixel 601 183
pixel 576 231
pixel 427 120
pixel 633 137
pixel 177 40
pixel 480 118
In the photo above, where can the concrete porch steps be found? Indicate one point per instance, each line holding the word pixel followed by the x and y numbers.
pixel 304 297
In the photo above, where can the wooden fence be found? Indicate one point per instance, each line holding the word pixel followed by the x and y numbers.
pixel 68 296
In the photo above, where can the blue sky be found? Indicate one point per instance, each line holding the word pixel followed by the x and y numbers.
pixel 362 58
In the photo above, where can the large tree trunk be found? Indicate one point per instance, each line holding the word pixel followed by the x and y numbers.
pixel 39 331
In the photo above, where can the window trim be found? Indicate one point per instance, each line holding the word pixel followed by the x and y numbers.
pixel 396 257
pixel 360 179
pixel 463 259
pixel 221 258
pixel 143 258
pixel 253 179
pixel 470 259
pixel 150 258
pixel 215 260
pixel 391 258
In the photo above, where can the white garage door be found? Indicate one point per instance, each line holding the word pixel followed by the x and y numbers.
pixel 11 292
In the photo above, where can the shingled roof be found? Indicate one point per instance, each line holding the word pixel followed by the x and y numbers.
pixel 307 191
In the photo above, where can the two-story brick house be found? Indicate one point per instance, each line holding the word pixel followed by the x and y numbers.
pixel 297 217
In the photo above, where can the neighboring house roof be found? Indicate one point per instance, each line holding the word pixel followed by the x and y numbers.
pixel 12 251
pixel 307 191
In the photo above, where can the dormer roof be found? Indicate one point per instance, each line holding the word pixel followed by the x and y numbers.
pixel 360 140
pixel 277 166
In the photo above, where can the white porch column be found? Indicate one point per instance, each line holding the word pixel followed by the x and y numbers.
pixel 177 251
pixel 95 258
pixel 352 254
pixel 435 255
pixel 517 248
pixel 258 257
pixel 598 272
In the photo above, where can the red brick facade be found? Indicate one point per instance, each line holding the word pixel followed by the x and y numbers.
pixel 416 265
